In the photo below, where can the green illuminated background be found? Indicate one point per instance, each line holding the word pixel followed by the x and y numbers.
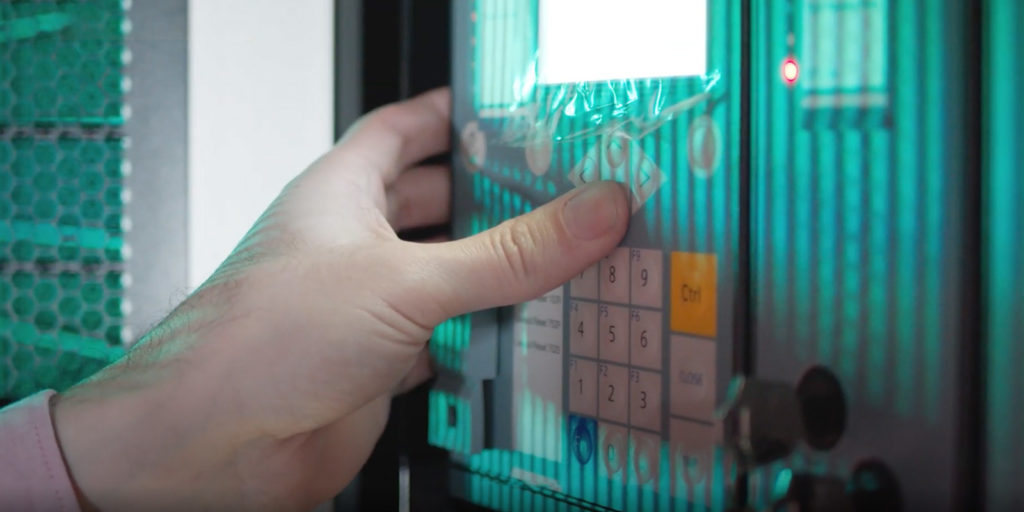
pixel 61 252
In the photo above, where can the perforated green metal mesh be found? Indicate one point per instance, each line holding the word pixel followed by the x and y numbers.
pixel 61 61
pixel 62 253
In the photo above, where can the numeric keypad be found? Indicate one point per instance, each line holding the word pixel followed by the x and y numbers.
pixel 616 328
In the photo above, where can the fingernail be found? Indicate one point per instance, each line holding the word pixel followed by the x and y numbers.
pixel 594 210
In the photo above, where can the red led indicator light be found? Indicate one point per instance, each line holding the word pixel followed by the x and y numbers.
pixel 790 70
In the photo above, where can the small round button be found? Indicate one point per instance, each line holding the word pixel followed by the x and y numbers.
pixel 614 451
pixel 703 146
pixel 823 407
pixel 693 464
pixel 582 443
pixel 645 461
pixel 474 145
pixel 538 156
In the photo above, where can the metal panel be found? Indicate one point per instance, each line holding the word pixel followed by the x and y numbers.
pixel 158 154
pixel 348 56
pixel 861 209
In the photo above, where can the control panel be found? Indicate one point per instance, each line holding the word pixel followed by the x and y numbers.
pixel 604 390
pixel 796 328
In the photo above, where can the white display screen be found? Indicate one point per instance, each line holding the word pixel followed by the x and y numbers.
pixel 594 40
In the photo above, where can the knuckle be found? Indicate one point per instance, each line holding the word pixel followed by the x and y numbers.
pixel 514 244
pixel 384 114
pixel 387 119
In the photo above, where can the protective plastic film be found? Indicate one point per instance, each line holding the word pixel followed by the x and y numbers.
pixel 578 88
pixel 602 392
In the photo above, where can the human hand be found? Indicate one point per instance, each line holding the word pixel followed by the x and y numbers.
pixel 269 386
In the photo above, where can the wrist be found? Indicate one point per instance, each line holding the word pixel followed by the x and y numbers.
pixel 84 503
pixel 141 432
pixel 123 447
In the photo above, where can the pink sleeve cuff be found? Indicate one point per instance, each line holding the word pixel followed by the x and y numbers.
pixel 32 472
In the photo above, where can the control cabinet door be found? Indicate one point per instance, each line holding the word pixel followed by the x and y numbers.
pixel 858 172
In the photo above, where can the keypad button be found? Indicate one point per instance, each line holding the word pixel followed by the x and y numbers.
pixel 613 441
pixel 646 457
pixel 614 276
pixel 693 293
pixel 615 163
pixel 583 329
pixel 588 170
pixel 646 178
pixel 645 338
pixel 645 278
pixel 613 333
pixel 645 400
pixel 474 145
pixel 584 284
pixel 582 439
pixel 613 392
pixel 583 387
pixel 692 382
pixel 692 450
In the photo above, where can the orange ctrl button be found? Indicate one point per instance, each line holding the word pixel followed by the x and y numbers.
pixel 693 294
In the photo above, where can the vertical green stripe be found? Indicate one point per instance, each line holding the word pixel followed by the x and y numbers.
pixel 759 183
pixel 477 42
pixel 827 240
pixel 850 293
pixel 780 164
pixel 905 165
pixel 878 273
pixel 803 241
pixel 933 137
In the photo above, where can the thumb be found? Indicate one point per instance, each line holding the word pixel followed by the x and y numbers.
pixel 525 257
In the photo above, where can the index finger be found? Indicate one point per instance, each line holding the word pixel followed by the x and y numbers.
pixel 396 136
